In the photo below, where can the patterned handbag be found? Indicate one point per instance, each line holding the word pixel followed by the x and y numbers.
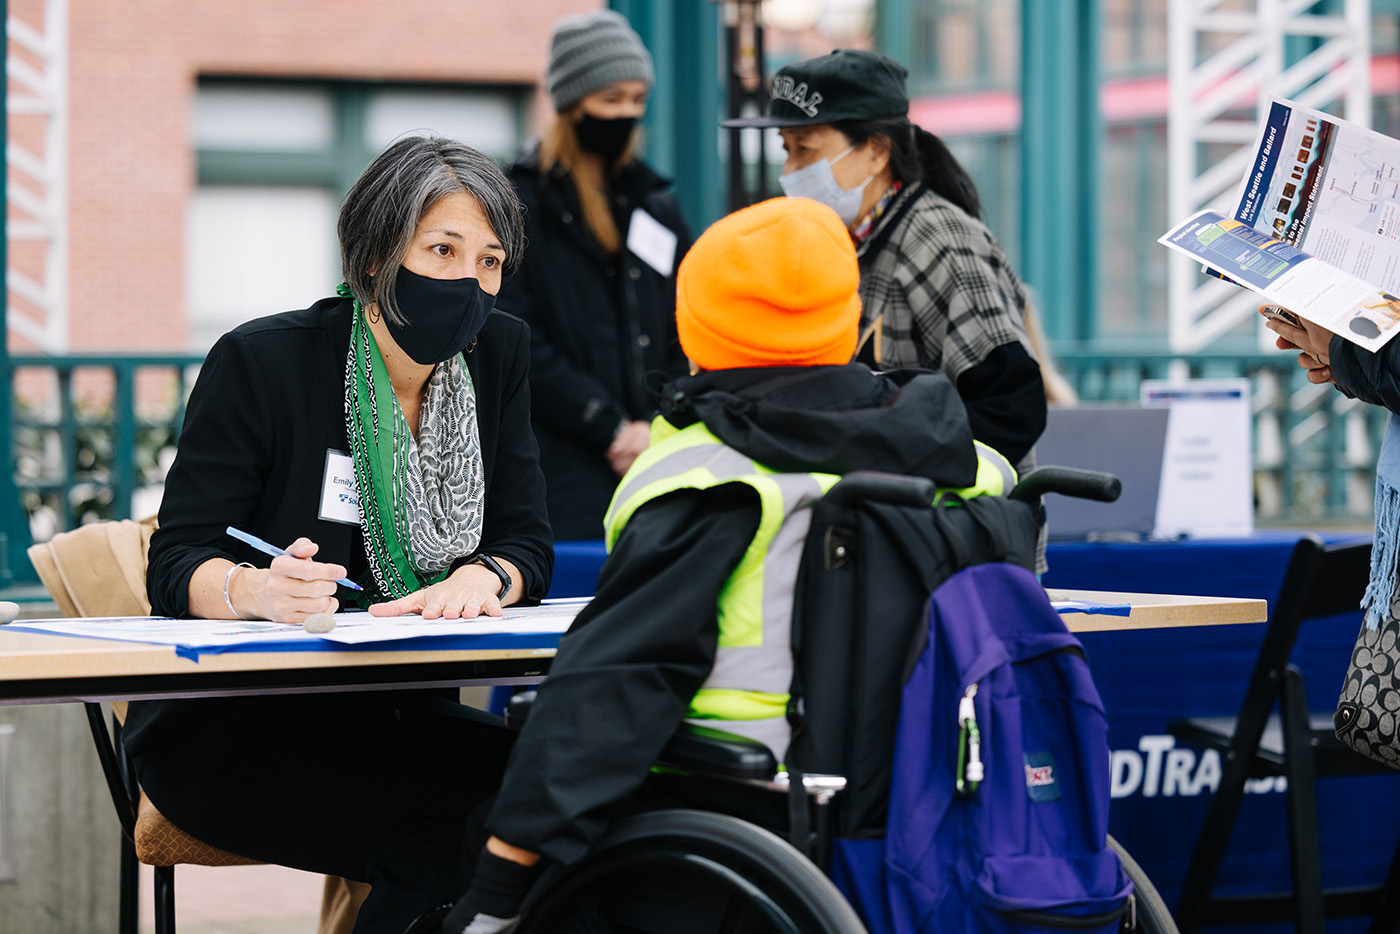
pixel 1368 711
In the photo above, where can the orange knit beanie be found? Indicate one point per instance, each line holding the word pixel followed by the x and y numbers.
pixel 770 285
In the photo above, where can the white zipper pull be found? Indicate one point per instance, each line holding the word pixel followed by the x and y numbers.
pixel 966 711
pixel 967 718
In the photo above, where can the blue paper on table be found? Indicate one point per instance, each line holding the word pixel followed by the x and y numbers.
pixel 1093 609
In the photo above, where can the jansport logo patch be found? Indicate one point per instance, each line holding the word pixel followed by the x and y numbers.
pixel 1041 782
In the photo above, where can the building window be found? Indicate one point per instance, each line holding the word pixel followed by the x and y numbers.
pixel 275 158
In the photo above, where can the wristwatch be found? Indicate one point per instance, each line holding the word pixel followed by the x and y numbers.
pixel 491 564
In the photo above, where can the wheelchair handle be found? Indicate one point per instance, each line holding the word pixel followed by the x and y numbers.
pixel 1067 481
pixel 866 486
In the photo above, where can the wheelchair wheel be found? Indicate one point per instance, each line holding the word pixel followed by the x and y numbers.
pixel 1153 917
pixel 688 872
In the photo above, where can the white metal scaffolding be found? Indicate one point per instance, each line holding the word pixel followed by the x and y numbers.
pixel 1225 60
pixel 37 190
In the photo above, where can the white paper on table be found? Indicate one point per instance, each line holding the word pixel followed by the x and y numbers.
pixel 163 630
pixel 350 628
pixel 361 628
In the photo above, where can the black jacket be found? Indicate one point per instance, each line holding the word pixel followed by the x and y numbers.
pixel 602 330
pixel 1370 377
pixel 633 659
pixel 269 402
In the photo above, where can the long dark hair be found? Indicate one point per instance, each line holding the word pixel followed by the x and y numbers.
pixel 916 155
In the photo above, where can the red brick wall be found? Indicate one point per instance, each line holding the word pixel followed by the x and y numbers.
pixel 133 66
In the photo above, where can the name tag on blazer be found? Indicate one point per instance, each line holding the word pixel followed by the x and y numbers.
pixel 340 496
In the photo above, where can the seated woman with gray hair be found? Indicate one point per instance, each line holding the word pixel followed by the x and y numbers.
pixel 382 435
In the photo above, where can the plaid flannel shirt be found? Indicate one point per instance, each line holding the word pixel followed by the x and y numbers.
pixel 937 292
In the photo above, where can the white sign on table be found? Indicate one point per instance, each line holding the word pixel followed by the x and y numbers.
pixel 1207 486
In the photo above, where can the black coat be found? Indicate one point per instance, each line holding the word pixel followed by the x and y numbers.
pixel 269 402
pixel 1370 377
pixel 602 331
pixel 635 656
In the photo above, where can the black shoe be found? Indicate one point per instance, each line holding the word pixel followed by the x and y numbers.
pixel 430 922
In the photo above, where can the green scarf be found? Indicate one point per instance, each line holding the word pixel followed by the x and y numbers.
pixel 416 513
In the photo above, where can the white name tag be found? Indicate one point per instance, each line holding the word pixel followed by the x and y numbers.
pixel 650 241
pixel 340 497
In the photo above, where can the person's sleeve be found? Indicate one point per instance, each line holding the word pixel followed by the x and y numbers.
pixel 219 473
pixel 1005 400
pixel 626 671
pixel 567 400
pixel 964 309
pixel 1361 374
pixel 516 525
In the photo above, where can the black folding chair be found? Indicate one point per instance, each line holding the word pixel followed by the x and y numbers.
pixel 1321 581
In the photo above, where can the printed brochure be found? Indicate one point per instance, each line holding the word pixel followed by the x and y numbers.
pixel 1317 224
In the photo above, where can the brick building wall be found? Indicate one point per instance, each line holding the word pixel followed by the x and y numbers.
pixel 133 71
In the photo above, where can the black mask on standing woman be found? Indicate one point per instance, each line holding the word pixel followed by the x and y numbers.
pixel 606 138
pixel 443 315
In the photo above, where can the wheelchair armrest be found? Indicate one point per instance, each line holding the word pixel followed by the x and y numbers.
pixel 693 748
pixel 714 752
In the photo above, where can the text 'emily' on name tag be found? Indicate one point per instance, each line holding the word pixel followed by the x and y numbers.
pixel 340 497
pixel 650 241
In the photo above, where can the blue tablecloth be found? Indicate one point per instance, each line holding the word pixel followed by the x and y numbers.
pixel 1149 678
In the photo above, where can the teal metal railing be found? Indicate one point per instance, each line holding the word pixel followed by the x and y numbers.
pixel 90 432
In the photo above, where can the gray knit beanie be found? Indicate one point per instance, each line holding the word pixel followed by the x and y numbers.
pixel 591 51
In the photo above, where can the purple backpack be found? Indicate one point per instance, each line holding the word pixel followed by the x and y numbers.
pixel 998 805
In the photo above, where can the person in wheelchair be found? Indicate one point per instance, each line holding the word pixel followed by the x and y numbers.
pixel 693 606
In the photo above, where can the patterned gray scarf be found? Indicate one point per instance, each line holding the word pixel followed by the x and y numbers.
pixel 421 503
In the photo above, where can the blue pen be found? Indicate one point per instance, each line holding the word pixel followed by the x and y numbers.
pixel 273 550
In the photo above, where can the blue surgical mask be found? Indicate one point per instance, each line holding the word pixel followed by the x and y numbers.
pixel 817 182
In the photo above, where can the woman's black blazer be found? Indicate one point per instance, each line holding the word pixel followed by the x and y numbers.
pixel 269 404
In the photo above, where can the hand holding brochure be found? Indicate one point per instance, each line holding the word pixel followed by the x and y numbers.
pixel 1317 224
pixel 1285 275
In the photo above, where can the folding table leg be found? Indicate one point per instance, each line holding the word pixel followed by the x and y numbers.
pixel 1304 841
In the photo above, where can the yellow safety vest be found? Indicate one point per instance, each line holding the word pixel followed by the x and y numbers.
pixel 748 685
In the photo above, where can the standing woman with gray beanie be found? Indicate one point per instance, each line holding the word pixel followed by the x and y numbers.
pixel 605 236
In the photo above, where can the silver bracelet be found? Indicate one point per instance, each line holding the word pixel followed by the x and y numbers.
pixel 228 577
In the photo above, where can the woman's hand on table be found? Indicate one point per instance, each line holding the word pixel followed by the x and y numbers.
pixel 1312 341
pixel 467 593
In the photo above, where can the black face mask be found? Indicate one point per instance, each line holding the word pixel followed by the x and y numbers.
pixel 606 138
pixel 443 315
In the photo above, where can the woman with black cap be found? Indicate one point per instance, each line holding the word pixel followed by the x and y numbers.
pixel 598 284
pixel 936 289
